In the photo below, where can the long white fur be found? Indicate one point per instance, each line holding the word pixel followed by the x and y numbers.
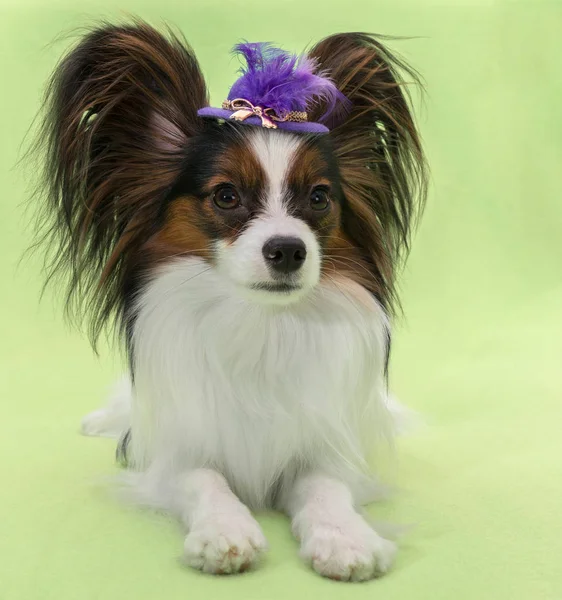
pixel 238 399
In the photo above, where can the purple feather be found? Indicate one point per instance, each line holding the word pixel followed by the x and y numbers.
pixel 273 78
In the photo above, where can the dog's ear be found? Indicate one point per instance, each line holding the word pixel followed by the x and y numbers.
pixel 380 156
pixel 120 110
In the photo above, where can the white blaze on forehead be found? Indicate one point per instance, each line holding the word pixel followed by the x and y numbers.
pixel 275 151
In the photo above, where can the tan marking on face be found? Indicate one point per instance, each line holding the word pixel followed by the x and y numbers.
pixel 193 224
pixel 182 233
pixel 344 260
pixel 239 166
pixel 308 168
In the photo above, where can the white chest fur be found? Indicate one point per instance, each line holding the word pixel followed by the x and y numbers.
pixel 254 391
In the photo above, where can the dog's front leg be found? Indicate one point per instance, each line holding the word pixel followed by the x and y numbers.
pixel 223 536
pixel 334 537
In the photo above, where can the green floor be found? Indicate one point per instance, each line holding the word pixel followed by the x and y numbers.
pixel 479 353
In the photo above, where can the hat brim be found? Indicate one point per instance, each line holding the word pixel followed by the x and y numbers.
pixel 306 127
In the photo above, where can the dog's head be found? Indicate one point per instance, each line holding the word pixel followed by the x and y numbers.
pixel 137 179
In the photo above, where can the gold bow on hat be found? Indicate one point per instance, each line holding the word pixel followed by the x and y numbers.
pixel 244 108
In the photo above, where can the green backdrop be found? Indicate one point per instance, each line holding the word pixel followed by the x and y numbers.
pixel 478 352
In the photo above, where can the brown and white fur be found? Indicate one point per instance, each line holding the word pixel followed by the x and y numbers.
pixel 254 382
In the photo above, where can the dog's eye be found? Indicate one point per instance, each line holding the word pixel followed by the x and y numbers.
pixel 319 199
pixel 226 197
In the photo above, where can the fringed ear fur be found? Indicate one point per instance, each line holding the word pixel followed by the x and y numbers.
pixel 119 110
pixel 382 164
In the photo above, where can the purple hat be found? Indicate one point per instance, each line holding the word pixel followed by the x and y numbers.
pixel 276 89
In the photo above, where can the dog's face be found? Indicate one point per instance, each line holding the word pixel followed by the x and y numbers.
pixel 263 207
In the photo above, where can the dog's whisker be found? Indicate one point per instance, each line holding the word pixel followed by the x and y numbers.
pixel 352 261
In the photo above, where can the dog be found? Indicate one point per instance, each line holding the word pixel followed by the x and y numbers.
pixel 246 257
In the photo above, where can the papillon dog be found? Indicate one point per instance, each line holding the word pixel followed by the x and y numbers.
pixel 246 256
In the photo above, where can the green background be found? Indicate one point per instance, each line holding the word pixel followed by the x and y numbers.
pixel 478 353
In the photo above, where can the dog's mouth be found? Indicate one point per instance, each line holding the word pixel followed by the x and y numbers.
pixel 276 287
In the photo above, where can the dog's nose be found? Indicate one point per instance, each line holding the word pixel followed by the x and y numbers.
pixel 284 254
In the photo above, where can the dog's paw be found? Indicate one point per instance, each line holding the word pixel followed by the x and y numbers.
pixel 229 543
pixel 347 552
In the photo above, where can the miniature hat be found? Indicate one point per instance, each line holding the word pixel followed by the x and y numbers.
pixel 277 89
